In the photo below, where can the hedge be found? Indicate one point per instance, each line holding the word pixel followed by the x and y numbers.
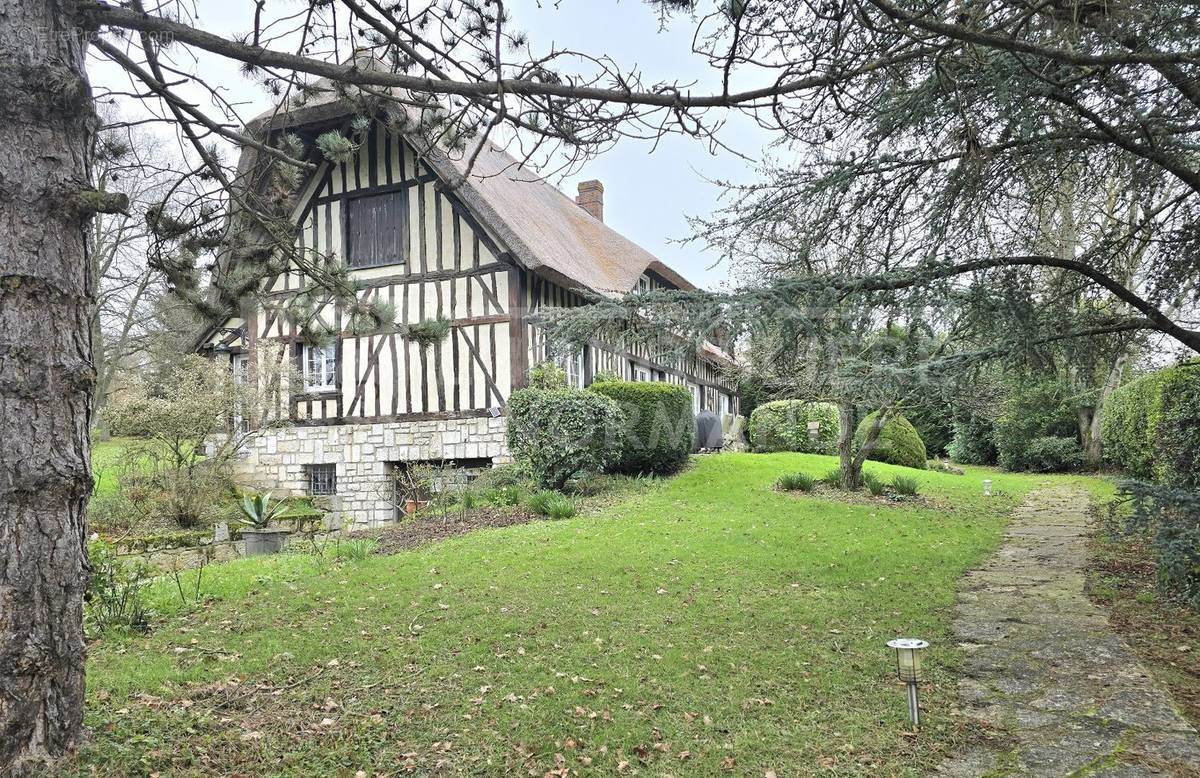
pixel 1033 411
pixel 659 426
pixel 782 425
pixel 898 442
pixel 1151 426
pixel 561 433
pixel 973 442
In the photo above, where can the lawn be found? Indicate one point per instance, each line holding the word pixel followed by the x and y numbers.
pixel 106 460
pixel 705 626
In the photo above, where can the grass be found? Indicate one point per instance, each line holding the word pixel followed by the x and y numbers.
pixel 106 460
pixel 705 625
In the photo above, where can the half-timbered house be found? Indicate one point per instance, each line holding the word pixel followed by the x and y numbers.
pixel 485 254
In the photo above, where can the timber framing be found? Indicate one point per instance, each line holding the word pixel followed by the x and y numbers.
pixel 454 261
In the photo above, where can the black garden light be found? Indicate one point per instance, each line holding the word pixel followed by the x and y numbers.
pixel 908 669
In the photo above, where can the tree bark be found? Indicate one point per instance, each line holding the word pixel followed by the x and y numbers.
pixel 847 422
pixel 850 461
pixel 1093 447
pixel 46 379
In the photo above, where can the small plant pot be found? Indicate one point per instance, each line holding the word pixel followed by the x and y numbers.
pixel 265 541
pixel 412 506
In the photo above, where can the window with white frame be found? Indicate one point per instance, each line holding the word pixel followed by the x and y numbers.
pixel 572 364
pixel 241 373
pixel 320 368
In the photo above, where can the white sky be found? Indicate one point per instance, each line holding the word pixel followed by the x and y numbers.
pixel 649 190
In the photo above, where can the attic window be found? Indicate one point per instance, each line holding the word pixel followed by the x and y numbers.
pixel 375 229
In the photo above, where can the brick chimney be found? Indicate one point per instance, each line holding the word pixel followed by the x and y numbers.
pixel 591 198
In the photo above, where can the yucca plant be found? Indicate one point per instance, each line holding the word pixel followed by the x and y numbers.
pixel 258 510
pixel 905 485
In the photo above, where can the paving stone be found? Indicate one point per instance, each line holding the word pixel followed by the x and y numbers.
pixel 1042 663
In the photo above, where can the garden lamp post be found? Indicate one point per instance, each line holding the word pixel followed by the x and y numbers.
pixel 987 487
pixel 908 669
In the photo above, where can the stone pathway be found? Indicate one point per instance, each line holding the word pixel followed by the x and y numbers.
pixel 1043 666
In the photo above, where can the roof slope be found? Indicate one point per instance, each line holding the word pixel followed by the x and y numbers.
pixel 543 228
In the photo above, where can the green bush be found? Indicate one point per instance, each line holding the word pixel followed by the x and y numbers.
pixel 796 482
pixel 116 595
pixel 782 425
pixel 898 442
pixel 1151 426
pixel 559 433
pixel 1171 518
pixel 933 419
pixel 501 496
pixel 1032 411
pixel 905 485
pixel 552 504
pixel 874 483
pixel 972 443
pixel 500 476
pixel 659 426
pixel 1052 454
pixel 833 478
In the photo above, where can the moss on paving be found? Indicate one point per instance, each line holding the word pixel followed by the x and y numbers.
pixel 708 626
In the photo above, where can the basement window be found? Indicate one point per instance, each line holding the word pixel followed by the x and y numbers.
pixel 322 479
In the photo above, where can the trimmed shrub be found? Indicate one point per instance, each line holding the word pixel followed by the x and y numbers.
pixel 972 442
pixel 1151 426
pixel 659 426
pixel 782 425
pixel 1052 454
pixel 1030 412
pixel 796 482
pixel 559 433
pixel 898 443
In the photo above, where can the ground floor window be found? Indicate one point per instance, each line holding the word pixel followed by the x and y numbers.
pixel 572 364
pixel 320 368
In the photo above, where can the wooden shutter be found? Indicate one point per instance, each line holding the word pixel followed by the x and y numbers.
pixel 376 229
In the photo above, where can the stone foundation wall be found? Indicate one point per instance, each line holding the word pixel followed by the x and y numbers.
pixel 362 452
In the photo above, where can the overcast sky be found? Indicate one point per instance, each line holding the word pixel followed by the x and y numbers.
pixel 649 190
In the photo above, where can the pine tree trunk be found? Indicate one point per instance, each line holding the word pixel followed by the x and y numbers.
pixel 850 466
pixel 46 380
